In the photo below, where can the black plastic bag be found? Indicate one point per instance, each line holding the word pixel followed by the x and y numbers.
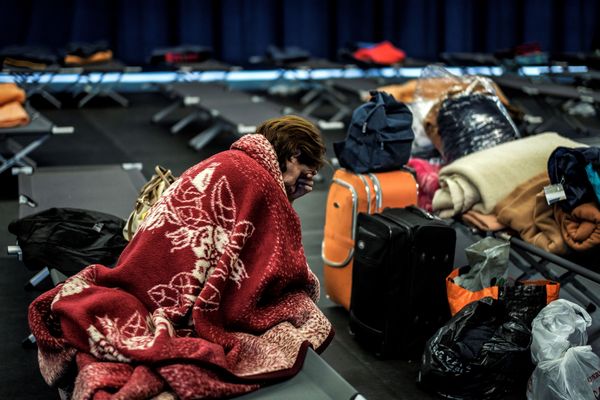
pixel 69 239
pixel 483 352
pixel 525 299
pixel 473 122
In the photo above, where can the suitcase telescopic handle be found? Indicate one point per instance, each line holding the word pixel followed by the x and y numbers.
pixel 421 212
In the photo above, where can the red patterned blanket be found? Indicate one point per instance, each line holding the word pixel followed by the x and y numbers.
pixel 212 297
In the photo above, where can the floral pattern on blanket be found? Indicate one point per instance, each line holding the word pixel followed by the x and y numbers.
pixel 211 234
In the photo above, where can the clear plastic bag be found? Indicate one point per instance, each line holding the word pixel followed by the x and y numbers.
pixel 574 376
pixel 560 325
pixel 419 110
pixel 488 259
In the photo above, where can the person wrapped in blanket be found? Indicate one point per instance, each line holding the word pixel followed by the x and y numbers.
pixel 213 296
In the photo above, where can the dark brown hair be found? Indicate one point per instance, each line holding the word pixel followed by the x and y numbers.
pixel 290 134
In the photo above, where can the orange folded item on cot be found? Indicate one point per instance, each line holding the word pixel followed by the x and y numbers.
pixel 13 114
pixel 18 63
pixel 10 92
pixel 96 58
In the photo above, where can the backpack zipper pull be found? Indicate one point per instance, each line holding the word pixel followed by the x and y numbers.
pixel 364 127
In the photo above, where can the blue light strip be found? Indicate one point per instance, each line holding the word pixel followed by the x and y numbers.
pixel 555 69
pixel 246 76
pixel 149 77
pixel 65 78
pixel 292 75
pixel 577 69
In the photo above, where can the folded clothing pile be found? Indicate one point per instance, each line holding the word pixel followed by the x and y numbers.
pixel 12 112
pixel 180 55
pixel 480 180
pixel 28 57
pixel 87 53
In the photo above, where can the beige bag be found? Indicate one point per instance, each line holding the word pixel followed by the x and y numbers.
pixel 149 194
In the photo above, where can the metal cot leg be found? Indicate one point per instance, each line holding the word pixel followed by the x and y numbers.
pixel 206 136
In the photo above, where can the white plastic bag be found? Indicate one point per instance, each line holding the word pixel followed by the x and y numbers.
pixel 574 376
pixel 559 326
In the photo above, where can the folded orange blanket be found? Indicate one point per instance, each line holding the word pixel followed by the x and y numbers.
pixel 98 57
pixel 525 210
pixel 581 228
pixel 13 114
pixel 10 92
pixel 481 221
pixel 15 62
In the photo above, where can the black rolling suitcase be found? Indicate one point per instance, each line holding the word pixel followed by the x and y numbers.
pixel 398 300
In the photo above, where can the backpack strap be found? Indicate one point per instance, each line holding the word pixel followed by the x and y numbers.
pixel 149 194
pixel 377 98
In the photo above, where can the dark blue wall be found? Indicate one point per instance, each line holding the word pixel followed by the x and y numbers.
pixel 238 29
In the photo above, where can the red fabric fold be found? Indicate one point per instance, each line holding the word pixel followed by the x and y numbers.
pixel 427 178
pixel 212 296
pixel 384 53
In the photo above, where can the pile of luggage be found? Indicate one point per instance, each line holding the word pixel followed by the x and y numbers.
pixel 389 255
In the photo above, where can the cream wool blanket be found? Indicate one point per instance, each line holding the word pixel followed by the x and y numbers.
pixel 480 180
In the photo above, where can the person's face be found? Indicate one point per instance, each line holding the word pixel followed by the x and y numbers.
pixel 294 170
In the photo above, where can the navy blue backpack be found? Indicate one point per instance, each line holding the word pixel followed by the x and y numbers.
pixel 379 137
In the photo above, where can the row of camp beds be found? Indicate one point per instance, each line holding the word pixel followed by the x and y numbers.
pixel 240 113
pixel 93 80
pixel 546 105
pixel 18 142
pixel 225 109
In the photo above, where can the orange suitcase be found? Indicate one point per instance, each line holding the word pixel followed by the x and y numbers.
pixel 350 194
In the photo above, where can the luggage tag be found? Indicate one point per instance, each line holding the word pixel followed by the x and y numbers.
pixel 98 227
pixel 554 193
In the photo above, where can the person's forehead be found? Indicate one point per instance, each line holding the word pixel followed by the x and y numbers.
pixel 304 167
